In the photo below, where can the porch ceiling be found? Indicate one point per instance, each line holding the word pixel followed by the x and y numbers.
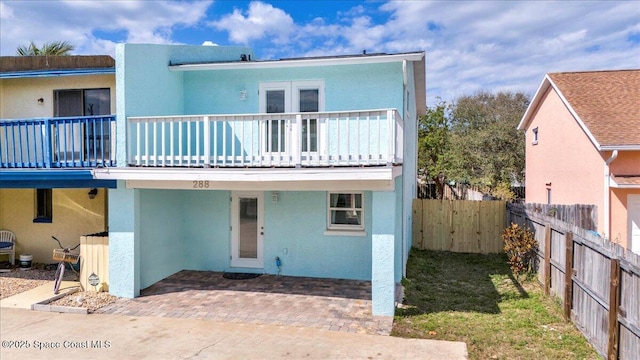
pixel 380 178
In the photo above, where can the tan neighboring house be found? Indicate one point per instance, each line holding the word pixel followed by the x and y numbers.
pixel 583 147
pixel 57 123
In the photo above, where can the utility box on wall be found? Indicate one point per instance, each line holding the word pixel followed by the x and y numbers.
pixel 94 262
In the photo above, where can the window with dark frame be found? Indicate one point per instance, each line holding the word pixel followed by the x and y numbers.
pixel 44 206
pixel 87 102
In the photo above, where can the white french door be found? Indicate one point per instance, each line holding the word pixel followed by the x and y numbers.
pixel 286 136
pixel 247 229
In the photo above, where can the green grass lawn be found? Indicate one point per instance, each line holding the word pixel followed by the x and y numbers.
pixel 474 298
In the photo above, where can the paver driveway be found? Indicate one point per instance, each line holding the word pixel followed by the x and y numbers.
pixel 330 304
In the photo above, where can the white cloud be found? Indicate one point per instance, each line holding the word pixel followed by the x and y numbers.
pixel 77 22
pixel 469 45
pixel 261 20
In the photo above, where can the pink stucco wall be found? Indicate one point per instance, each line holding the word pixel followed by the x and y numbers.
pixel 627 163
pixel 565 157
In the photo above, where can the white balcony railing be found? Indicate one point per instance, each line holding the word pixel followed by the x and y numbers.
pixel 352 138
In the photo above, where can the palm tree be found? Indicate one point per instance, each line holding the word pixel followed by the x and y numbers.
pixel 58 48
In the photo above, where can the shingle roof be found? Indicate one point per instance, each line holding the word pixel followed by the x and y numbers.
pixel 607 102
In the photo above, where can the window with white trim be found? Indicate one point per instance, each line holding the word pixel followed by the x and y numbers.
pixel 345 211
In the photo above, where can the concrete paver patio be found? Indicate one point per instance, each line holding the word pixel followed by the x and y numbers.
pixel 329 304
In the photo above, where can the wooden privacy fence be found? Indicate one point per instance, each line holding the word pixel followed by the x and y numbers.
pixel 580 215
pixel 459 225
pixel 597 280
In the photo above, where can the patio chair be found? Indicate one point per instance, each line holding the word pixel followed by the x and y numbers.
pixel 8 245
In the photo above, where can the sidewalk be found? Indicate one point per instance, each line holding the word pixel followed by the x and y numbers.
pixel 46 335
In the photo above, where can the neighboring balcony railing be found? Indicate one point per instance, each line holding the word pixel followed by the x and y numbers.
pixel 346 138
pixel 66 142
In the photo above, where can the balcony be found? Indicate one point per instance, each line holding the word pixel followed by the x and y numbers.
pixel 57 143
pixel 323 139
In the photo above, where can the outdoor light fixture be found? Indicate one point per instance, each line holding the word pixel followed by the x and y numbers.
pixel 243 94
pixel 41 101
pixel 274 196
pixel 92 193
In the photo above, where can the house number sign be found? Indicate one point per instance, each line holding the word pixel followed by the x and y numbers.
pixel 200 184
pixel 94 280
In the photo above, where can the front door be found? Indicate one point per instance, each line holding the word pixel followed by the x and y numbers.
pixel 247 230
pixel 633 213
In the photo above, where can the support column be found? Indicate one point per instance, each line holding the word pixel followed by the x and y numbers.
pixel 124 249
pixel 383 253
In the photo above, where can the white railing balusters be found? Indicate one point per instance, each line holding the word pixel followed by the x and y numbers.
pixel 351 138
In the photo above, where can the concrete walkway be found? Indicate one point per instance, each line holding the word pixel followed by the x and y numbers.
pixel 46 335
pixel 41 294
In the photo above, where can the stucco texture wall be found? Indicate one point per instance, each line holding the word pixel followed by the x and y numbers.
pixel 183 229
pixel 563 156
pixel 19 97
pixel 620 230
pixel 74 215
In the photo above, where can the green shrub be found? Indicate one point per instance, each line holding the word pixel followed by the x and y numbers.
pixel 520 246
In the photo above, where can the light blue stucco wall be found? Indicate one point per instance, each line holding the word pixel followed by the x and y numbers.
pixel 384 253
pixel 181 229
pixel 297 223
pixel 161 235
pixel 207 220
pixel 347 87
pixel 124 249
pixel 410 163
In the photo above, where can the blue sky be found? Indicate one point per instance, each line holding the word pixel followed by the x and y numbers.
pixel 470 45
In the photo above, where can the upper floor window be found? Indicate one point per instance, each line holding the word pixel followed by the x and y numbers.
pixel 94 135
pixel 81 102
pixel 535 136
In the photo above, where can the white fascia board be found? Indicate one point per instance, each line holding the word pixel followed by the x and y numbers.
pixel 535 102
pixel 384 173
pixel 575 116
pixel 320 185
pixel 619 147
pixel 293 63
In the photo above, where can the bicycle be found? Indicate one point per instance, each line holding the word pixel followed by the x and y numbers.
pixel 63 255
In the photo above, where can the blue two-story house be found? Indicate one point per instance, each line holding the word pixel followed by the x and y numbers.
pixel 225 163
pixel 56 125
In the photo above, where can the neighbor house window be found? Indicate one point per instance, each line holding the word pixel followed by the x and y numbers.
pixel 346 211
pixel 83 102
pixel 44 206
pixel 535 136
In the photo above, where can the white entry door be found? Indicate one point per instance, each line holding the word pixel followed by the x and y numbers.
pixel 633 214
pixel 247 230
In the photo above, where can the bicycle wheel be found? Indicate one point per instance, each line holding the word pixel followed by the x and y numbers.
pixel 58 279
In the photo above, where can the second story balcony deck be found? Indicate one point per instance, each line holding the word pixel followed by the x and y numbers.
pixel 319 139
pixel 58 143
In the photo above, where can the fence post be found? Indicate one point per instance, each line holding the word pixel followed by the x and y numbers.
pixel 568 273
pixel 614 303
pixel 547 259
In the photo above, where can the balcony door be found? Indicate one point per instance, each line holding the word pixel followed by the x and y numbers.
pixel 88 138
pixel 287 136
